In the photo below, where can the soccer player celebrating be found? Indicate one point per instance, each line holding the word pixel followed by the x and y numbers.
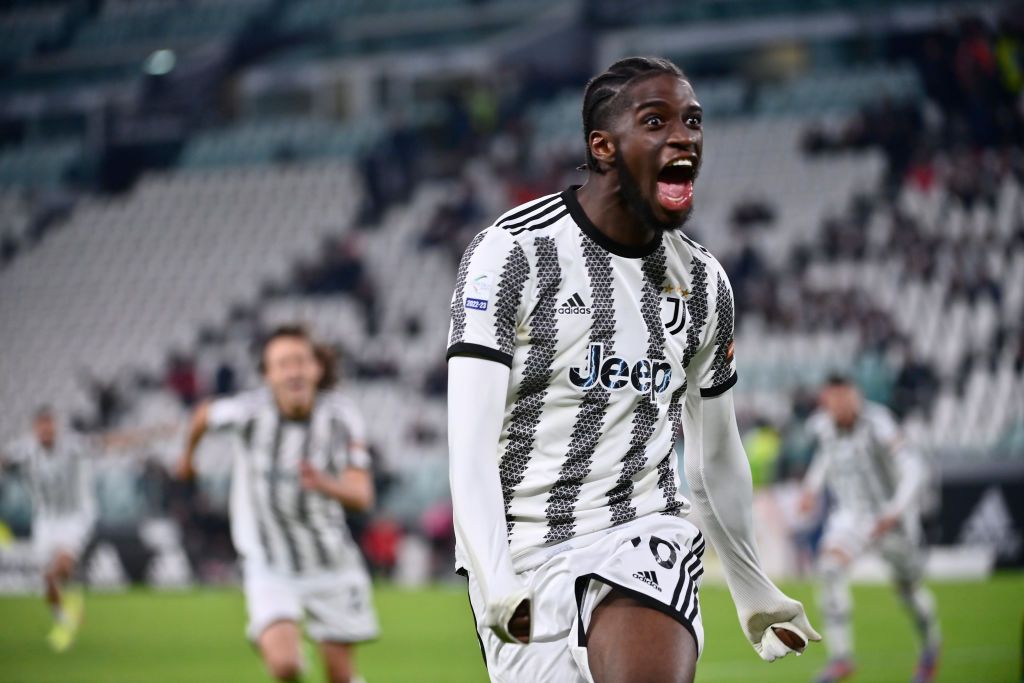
pixel 586 330
pixel 300 459
pixel 874 480
pixel 55 465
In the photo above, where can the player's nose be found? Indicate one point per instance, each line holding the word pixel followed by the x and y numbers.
pixel 683 137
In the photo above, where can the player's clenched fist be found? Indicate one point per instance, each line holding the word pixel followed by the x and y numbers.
pixel 510 617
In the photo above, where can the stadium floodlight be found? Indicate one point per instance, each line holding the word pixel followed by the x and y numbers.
pixel 160 63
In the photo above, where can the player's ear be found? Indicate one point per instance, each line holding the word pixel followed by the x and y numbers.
pixel 602 146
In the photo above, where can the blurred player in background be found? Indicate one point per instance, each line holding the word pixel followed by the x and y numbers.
pixel 300 460
pixel 874 480
pixel 55 463
pixel 586 329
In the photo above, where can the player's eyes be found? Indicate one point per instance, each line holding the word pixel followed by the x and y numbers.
pixel 694 121
pixel 653 120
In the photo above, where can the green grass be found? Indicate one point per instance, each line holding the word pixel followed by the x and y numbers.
pixel 196 636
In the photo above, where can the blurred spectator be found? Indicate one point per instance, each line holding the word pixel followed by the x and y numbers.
pixel 224 379
pixel 181 378
pixel 915 386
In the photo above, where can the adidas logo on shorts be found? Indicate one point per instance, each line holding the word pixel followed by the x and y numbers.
pixel 649 577
pixel 574 305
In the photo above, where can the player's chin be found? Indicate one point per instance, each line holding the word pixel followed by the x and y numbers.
pixel 671 220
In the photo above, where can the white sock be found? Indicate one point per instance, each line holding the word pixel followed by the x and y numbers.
pixel 920 602
pixel 836 606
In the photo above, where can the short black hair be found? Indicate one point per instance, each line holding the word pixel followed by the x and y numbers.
pixel 838 379
pixel 600 98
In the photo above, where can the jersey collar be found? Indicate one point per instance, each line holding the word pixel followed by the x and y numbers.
pixel 591 231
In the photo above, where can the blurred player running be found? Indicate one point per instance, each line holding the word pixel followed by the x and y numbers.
pixel 586 328
pixel 300 459
pixel 55 464
pixel 874 480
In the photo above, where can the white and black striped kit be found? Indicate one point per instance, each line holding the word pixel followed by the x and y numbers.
pixel 860 464
pixel 60 479
pixel 274 520
pixel 602 341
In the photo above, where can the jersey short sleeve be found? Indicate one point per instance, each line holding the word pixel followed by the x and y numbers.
pixel 355 431
pixel 713 368
pixel 228 413
pixel 884 428
pixel 489 294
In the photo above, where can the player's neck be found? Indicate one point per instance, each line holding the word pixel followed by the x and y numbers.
pixel 608 211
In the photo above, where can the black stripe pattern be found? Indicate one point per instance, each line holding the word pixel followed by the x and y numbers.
pixel 536 216
pixel 508 296
pixel 645 416
pixel 459 299
pixel 537 205
pixel 666 468
pixel 685 597
pixel 276 509
pixel 696 308
pixel 586 431
pixel 254 491
pixel 721 365
pixel 302 504
pixel 533 389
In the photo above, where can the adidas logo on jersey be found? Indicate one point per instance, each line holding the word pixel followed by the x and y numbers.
pixel 649 577
pixel 574 306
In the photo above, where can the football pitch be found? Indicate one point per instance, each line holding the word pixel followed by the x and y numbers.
pixel 196 636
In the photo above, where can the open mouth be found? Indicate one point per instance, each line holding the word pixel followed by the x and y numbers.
pixel 675 184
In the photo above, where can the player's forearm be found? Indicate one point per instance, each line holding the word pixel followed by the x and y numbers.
pixel 719 477
pixel 814 479
pixel 476 404
pixel 353 489
pixel 196 430
pixel 911 479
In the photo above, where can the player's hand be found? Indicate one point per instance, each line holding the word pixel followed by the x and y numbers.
pixel 884 525
pixel 791 634
pixel 808 502
pixel 519 624
pixel 511 618
pixel 310 477
pixel 185 469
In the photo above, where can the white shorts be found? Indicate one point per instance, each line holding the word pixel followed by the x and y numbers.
pixel 901 548
pixel 51 536
pixel 337 606
pixel 655 560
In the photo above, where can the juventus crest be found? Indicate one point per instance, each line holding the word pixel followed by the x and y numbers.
pixel 676 313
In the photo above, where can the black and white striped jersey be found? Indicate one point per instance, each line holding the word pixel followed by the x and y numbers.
pixel 274 520
pixel 603 342
pixel 860 466
pixel 59 479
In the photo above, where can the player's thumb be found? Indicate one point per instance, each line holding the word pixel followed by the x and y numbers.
pixel 802 623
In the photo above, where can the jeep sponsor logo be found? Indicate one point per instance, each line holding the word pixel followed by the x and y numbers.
pixel 644 376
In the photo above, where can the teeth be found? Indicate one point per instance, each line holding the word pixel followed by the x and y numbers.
pixel 682 162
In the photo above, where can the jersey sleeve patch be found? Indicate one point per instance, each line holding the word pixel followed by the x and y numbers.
pixel 489 291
